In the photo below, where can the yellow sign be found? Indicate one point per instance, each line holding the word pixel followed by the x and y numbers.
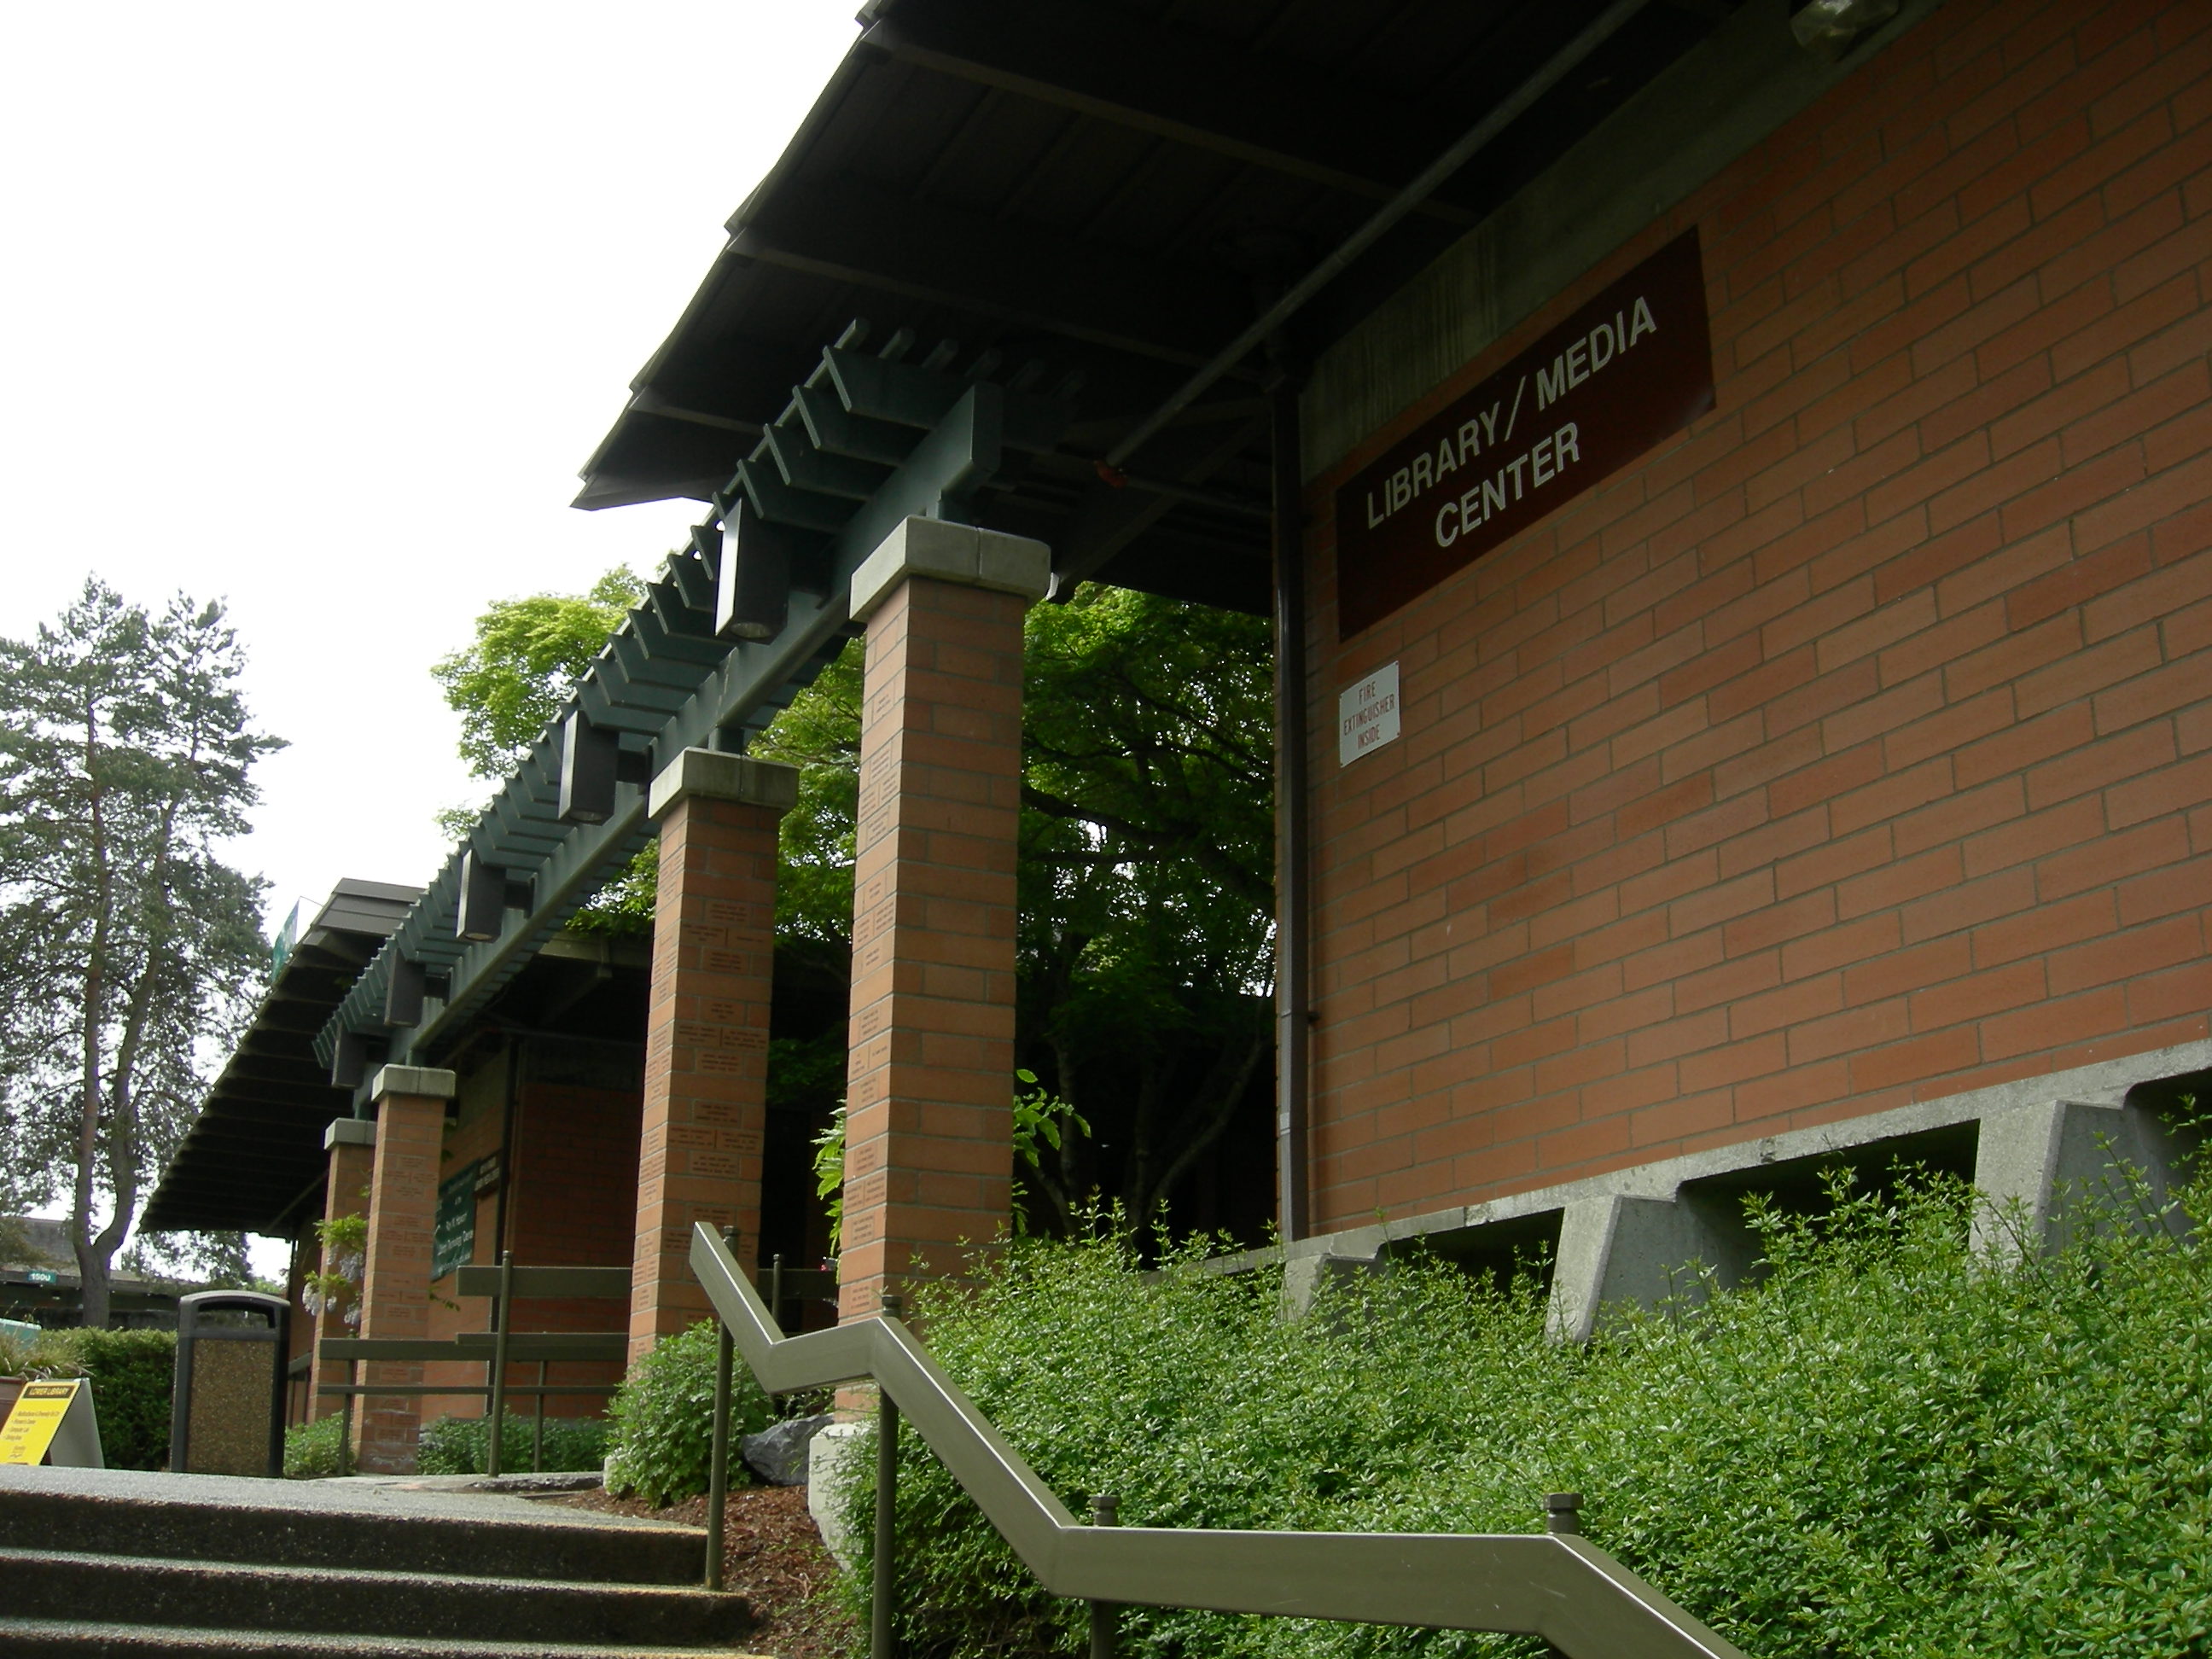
pixel 36 1419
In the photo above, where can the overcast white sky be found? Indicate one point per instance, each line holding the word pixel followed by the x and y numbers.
pixel 317 309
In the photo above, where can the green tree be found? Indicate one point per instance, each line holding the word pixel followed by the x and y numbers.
pixel 1146 883
pixel 209 1261
pixel 509 683
pixel 819 733
pixel 1147 878
pixel 128 949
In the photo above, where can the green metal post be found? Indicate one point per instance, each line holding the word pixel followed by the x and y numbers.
pixel 538 1426
pixel 883 1604
pixel 1105 1511
pixel 503 1318
pixel 345 1434
pixel 718 1462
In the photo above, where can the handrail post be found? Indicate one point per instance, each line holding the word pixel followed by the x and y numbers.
pixel 1562 1514
pixel 345 1431
pixel 718 1460
pixel 775 1288
pixel 882 1607
pixel 503 1318
pixel 538 1423
pixel 1105 1511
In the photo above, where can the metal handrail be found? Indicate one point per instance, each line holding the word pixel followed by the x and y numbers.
pixel 1555 1585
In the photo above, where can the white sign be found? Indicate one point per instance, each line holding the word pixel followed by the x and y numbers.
pixel 1367 715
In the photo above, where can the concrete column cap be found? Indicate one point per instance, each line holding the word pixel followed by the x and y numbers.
pixel 952 553
pixel 350 1132
pixel 424 1082
pixel 714 776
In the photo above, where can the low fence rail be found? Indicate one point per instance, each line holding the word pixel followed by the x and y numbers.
pixel 497 1348
pixel 1556 1585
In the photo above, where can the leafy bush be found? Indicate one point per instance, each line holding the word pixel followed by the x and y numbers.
pixel 316 1450
pixel 664 1418
pixel 458 1445
pixel 17 1347
pixel 1886 1446
pixel 133 1376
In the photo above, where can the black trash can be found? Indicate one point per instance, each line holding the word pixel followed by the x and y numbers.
pixel 228 1416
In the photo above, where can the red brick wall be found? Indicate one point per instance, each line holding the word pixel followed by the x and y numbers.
pixel 575 1206
pixel 576 1198
pixel 1853 748
pixel 411 1130
pixel 351 1169
pixel 300 1330
pixel 476 1135
pixel 704 1121
pixel 929 1133
pixel 573 1203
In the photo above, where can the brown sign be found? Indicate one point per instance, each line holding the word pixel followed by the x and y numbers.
pixel 1630 368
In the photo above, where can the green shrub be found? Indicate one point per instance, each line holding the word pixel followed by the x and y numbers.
pixel 133 1380
pixel 664 1418
pixel 1886 1446
pixel 458 1445
pixel 16 1347
pixel 316 1450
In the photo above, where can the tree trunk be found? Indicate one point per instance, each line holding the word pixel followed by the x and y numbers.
pixel 1155 1172
pixel 1232 1072
pixel 91 1262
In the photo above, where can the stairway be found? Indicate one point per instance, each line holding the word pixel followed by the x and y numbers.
pixel 109 1562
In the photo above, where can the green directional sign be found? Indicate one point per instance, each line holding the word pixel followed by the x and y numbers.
pixel 453 1235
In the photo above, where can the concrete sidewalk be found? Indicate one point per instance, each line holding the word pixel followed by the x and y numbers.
pixel 451 1496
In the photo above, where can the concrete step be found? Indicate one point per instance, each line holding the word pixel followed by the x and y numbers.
pixel 50 1638
pixel 58 1584
pixel 291 1530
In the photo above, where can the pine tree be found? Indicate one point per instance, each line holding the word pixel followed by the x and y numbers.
pixel 128 949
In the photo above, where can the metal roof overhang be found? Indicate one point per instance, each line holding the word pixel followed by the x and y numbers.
pixel 1114 189
pixel 870 437
pixel 258 1144
pixel 1089 196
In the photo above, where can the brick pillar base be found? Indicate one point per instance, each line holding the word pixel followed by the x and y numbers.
pixel 705 1057
pixel 928 1146
pixel 351 1144
pixel 395 1293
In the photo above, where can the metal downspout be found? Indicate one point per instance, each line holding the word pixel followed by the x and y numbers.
pixel 1293 1188
pixel 501 1243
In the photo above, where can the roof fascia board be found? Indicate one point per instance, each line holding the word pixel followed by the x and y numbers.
pixel 1701 113
pixel 1080 290
pixel 1176 83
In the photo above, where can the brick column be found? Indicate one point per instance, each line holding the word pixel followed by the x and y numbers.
pixel 395 1291
pixel 928 1150
pixel 351 1144
pixel 705 1057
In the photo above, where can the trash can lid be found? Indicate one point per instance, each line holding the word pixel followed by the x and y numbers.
pixel 195 1310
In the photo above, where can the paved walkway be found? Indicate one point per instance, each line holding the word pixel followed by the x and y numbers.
pixel 451 1497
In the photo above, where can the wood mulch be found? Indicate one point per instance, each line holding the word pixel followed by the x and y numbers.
pixel 773 1557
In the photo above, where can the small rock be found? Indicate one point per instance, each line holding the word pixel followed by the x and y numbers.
pixel 778 1453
